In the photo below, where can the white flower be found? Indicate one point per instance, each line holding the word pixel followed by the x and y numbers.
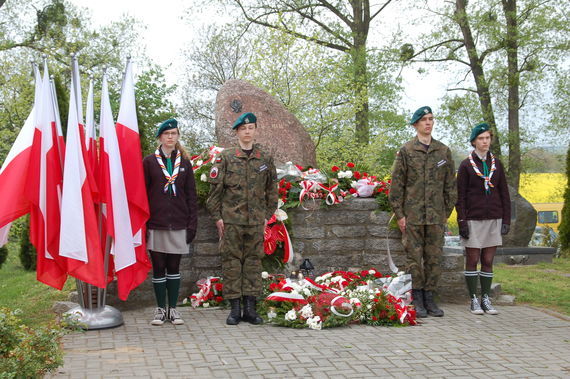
pixel 203 178
pixel 371 272
pixel 199 163
pixel 307 311
pixel 307 291
pixel 264 275
pixel 337 279
pixel 344 174
pixel 353 184
pixel 271 314
pixel 315 323
pixel 355 302
pixel 369 306
pixel 206 305
pixel 371 297
pixel 291 315
pixel 281 215
pixel 185 300
pixel 280 203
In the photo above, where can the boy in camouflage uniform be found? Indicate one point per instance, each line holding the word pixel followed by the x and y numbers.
pixel 243 196
pixel 422 196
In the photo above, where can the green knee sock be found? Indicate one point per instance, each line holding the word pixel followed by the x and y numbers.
pixel 173 286
pixel 471 280
pixel 159 285
pixel 486 280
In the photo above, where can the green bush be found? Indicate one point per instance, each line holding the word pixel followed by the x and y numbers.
pixel 28 352
pixel 564 228
pixel 27 250
pixel 3 254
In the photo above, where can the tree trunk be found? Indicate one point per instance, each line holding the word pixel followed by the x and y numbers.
pixel 478 74
pixel 511 38
pixel 360 29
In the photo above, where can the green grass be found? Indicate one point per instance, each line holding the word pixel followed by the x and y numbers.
pixel 544 285
pixel 19 289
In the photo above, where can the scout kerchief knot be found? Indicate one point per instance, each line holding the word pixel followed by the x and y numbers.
pixel 486 175
pixel 170 178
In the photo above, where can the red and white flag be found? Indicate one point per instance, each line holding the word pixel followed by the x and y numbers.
pixel 131 156
pixel 131 268
pixel 14 203
pixel 43 189
pixel 90 133
pixel 79 236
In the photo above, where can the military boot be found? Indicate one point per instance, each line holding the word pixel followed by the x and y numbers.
pixel 235 313
pixel 418 303
pixel 250 313
pixel 431 306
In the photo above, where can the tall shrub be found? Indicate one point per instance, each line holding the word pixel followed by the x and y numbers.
pixel 27 250
pixel 564 228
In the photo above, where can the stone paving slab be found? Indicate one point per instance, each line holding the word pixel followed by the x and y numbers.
pixel 520 342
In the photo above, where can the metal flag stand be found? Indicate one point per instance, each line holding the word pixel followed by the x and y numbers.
pixel 92 312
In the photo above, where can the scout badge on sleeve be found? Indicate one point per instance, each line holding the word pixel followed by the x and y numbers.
pixel 214 172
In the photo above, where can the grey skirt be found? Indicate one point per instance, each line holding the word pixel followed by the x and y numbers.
pixel 483 233
pixel 167 241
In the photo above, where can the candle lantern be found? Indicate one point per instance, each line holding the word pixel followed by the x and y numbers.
pixel 307 268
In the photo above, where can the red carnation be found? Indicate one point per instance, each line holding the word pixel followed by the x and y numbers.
pixel 219 299
pixel 364 174
pixel 218 286
pixel 274 287
pixel 288 186
pixel 377 274
pixel 356 175
pixel 350 165
pixel 375 300
pixel 352 191
pixel 299 167
pixel 374 318
pixel 393 317
pixel 335 169
pixel 364 273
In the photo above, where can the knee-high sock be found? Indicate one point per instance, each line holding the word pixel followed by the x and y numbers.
pixel 471 278
pixel 159 285
pixel 173 286
pixel 486 280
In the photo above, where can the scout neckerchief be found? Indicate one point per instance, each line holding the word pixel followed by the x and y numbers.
pixel 486 175
pixel 171 173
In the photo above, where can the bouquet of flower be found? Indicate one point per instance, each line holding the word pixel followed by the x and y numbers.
pixel 210 293
pixel 202 164
pixel 338 298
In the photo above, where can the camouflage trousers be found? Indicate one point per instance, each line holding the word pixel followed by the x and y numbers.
pixel 241 249
pixel 424 247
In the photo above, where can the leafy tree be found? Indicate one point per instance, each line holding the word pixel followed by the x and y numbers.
pixel 153 105
pixel 341 26
pixel 506 47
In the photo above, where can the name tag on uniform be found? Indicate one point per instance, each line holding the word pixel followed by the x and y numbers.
pixel 263 167
pixel 441 163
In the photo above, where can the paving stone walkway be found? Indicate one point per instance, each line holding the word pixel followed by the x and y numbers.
pixel 519 342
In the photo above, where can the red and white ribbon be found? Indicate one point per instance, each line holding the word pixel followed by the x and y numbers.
pixel 286 296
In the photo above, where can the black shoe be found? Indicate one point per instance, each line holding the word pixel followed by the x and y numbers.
pixel 418 303
pixel 249 312
pixel 431 306
pixel 235 313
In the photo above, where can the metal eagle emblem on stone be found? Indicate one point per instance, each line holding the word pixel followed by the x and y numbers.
pixel 236 106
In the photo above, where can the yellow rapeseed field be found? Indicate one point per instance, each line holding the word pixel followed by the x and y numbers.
pixel 536 188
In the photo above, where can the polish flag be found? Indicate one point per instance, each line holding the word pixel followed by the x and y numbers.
pixel 130 265
pixel 79 237
pixel 14 203
pixel 43 189
pixel 131 156
pixel 90 133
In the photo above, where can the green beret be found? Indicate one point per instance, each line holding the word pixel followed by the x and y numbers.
pixel 246 118
pixel 166 125
pixel 478 129
pixel 421 112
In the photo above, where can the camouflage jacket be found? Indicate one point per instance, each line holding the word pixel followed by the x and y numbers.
pixel 423 183
pixel 243 190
